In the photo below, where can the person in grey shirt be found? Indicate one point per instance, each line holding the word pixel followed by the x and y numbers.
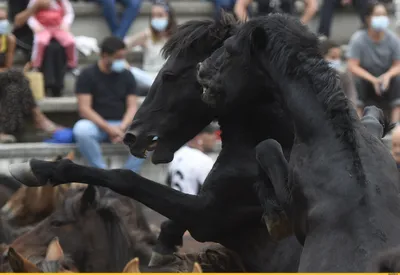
pixel 374 60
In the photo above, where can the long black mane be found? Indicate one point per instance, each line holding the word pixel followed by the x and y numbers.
pixel 296 51
pixel 197 35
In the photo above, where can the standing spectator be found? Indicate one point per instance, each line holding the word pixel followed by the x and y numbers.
pixel 190 166
pixel 53 22
pixel 333 54
pixel 107 103
pixel 269 6
pixel 396 145
pixel 152 40
pixel 7 43
pixel 120 27
pixel 374 59
pixel 327 11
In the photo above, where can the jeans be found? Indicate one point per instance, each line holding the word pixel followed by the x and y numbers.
pixel 327 10
pixel 120 27
pixel 88 137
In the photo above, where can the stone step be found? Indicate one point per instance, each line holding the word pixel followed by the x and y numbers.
pixel 89 21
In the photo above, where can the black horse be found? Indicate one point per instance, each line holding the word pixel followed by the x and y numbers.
pixel 227 211
pixel 340 187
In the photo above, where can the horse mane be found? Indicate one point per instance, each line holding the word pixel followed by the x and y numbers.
pixel 296 51
pixel 198 35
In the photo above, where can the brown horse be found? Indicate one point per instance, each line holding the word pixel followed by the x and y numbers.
pixel 54 261
pixel 100 230
pixel 30 205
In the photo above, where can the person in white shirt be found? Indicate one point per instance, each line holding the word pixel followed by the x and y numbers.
pixel 191 164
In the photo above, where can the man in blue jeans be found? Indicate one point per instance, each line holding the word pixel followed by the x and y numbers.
pixel 107 103
pixel 120 26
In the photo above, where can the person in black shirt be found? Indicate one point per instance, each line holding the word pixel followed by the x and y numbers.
pixel 107 103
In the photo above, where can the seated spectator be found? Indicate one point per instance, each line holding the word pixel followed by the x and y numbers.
pixel 191 165
pixel 396 145
pixel 119 27
pixel 333 54
pixel 107 103
pixel 16 105
pixel 374 60
pixel 54 62
pixel 53 22
pixel 7 43
pixel 152 40
pixel 269 6
pixel 327 11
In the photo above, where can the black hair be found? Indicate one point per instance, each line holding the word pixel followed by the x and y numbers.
pixel 111 45
pixel 371 7
pixel 327 45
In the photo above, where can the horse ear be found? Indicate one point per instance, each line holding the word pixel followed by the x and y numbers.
pixel 19 264
pixel 132 266
pixel 88 198
pixel 54 251
pixel 259 39
pixel 197 268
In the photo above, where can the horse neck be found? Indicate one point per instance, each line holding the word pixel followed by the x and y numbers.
pixel 312 101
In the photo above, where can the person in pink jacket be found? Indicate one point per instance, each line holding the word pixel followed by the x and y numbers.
pixel 53 22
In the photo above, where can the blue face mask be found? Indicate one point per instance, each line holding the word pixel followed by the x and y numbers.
pixel 379 23
pixel 118 65
pixel 335 64
pixel 159 24
pixel 4 26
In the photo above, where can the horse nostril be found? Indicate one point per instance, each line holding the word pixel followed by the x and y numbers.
pixel 129 138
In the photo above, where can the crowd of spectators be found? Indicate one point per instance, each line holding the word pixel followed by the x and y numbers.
pixel 107 90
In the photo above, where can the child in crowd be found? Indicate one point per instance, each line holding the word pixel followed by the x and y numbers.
pixel 53 22
pixel 333 54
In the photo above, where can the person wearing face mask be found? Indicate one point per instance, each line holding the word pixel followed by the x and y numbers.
pixel 7 43
pixel 152 40
pixel 332 53
pixel 374 60
pixel 107 103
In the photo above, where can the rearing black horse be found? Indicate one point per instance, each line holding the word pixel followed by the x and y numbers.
pixel 227 210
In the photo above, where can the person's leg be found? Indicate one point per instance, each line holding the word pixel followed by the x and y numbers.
pixel 67 40
pixel 134 164
pixel 364 94
pixel 88 137
pixel 394 97
pixel 132 8
pixel 110 14
pixel 361 6
pixel 41 40
pixel 326 16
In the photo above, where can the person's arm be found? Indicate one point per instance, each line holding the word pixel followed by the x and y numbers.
pixel 394 70
pixel 240 9
pixel 348 86
pixel 22 17
pixel 32 22
pixel 309 11
pixel 131 102
pixel 138 39
pixel 86 111
pixel 69 15
pixel 10 51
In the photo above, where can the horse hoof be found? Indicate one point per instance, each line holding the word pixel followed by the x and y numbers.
pixel 279 228
pixel 22 172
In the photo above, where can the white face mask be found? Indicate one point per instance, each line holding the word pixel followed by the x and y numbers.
pixel 4 26
pixel 379 23
pixel 159 24
pixel 335 64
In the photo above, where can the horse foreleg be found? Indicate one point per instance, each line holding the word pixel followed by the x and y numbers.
pixel 183 208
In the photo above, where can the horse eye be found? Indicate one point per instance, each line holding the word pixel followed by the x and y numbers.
pixel 56 223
